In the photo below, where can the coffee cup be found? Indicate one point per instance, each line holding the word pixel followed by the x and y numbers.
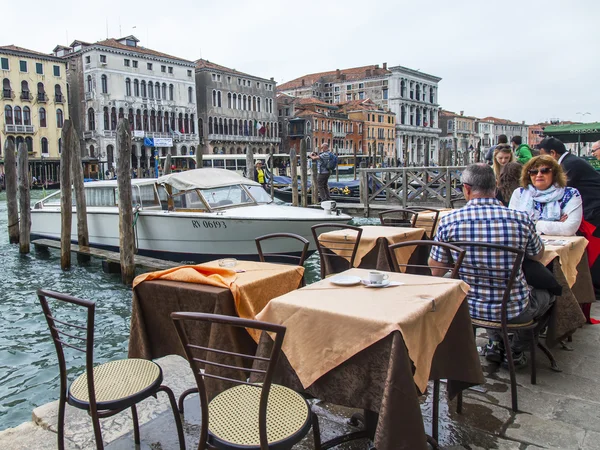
pixel 377 277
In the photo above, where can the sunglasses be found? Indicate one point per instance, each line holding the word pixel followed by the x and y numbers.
pixel 543 171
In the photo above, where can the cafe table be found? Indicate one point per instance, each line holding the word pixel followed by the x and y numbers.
pixel 153 335
pixel 373 248
pixel 568 257
pixel 425 219
pixel 376 348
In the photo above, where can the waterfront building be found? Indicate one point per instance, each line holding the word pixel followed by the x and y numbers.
pixel 509 128
pixel 485 137
pixel 462 131
pixel 410 94
pixel 117 78
pixel 236 110
pixel 33 107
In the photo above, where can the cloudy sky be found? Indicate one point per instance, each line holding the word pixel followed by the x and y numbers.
pixel 521 60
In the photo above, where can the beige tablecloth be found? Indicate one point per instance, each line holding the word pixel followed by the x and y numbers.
pixel 368 240
pixel 424 220
pixel 569 254
pixel 328 324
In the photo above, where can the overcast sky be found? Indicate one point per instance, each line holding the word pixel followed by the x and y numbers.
pixel 519 60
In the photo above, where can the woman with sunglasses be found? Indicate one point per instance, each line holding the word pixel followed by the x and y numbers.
pixel 555 208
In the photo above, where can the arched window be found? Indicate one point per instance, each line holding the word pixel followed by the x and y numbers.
pixel 234 101
pixel 190 95
pixel 226 127
pixel 41 94
pixel 128 86
pixel 210 125
pixel 253 103
pixel 235 127
pixel 186 124
pixel 244 103
pixel 145 121
pixel 229 100
pixel 214 98
pixel 157 89
pixel 44 146
pixel 138 120
pixel 153 121
pixel 18 116
pixel 230 126
pixel 26 116
pixel 89 83
pixel 42 115
pixel 110 155
pixel 121 113
pixel 180 123
pixel 192 125
pixel 166 122
pixel 136 88
pixel 144 93
pixel 113 118
pixel 58 98
pixel 239 103
pixel 8 115
pixel 221 126
pixel 131 119
pixel 164 91
pixel 171 92
pixel 150 89
pixel 159 121
pixel 258 103
pixel 219 99
pixel 104 82
pixel 6 90
pixel 106 119
pixel 29 144
pixel 92 151
pixel 24 90
pixel 19 142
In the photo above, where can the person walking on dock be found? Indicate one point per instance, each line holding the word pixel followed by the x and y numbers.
pixel 325 161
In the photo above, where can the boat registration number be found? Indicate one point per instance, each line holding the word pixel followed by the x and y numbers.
pixel 209 224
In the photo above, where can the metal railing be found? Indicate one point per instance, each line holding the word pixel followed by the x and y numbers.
pixel 403 186
pixel 239 138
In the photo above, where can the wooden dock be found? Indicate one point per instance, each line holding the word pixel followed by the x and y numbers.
pixel 111 260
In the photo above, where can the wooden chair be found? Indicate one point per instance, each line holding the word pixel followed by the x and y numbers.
pixel 455 254
pixel 279 257
pixel 399 217
pixel 420 221
pixel 342 252
pixel 106 389
pixel 494 278
pixel 237 417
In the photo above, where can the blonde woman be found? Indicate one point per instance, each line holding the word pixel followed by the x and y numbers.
pixel 503 154
pixel 544 196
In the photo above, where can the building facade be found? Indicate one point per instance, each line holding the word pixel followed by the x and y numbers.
pixel 508 128
pixel 236 111
pixel 462 130
pixel 410 94
pixel 117 78
pixel 33 107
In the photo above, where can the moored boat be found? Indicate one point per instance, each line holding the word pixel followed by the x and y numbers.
pixel 196 215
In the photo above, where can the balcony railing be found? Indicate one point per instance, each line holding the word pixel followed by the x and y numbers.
pixel 339 134
pixel 7 93
pixel 89 95
pixel 59 98
pixel 21 129
pixel 235 138
pixel 177 137
pixel 25 95
pixel 41 97
pixel 89 134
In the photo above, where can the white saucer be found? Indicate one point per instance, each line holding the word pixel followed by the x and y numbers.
pixel 367 283
pixel 345 280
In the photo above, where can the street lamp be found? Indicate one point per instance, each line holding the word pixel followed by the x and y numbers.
pixel 583 114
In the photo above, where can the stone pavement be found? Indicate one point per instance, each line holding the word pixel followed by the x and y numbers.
pixel 562 411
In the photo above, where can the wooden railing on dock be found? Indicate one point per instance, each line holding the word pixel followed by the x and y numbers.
pixel 405 186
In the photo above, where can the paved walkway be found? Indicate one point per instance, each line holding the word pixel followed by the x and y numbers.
pixel 562 411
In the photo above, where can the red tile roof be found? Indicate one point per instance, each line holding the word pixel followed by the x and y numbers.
pixel 499 121
pixel 205 64
pixel 354 73
pixel 115 44
pixel 14 48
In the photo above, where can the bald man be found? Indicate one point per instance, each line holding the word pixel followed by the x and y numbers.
pixel 595 148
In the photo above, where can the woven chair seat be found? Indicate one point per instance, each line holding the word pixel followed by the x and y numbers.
pixel 233 416
pixel 117 381
pixel 490 324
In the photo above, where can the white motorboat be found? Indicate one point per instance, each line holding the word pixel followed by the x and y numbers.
pixel 197 215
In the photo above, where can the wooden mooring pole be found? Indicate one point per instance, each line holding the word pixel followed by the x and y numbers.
pixel 83 239
pixel 167 165
pixel 249 164
pixel 303 174
pixel 66 200
pixel 314 188
pixel 24 200
pixel 294 175
pixel 126 232
pixel 10 180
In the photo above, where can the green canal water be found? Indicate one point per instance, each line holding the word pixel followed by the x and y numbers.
pixel 28 363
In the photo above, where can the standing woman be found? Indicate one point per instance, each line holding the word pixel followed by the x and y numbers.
pixel 259 175
pixel 503 154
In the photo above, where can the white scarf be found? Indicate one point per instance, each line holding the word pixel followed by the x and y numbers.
pixel 541 205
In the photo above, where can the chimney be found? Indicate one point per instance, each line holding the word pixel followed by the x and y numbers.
pixel 369 72
pixel 302 81
pixel 385 65
pixel 337 73
pixel 462 113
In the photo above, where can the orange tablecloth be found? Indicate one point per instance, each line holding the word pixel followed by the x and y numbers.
pixel 328 324
pixel 424 219
pixel 569 254
pixel 368 240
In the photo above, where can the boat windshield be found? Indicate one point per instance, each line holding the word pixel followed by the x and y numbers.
pixel 259 194
pixel 234 195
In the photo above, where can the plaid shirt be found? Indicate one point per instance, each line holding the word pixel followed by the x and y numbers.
pixel 486 220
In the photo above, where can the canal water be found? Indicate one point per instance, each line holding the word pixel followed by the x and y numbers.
pixel 28 364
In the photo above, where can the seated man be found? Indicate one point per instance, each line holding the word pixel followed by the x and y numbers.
pixel 484 219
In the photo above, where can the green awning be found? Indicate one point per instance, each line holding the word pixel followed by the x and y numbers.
pixel 582 132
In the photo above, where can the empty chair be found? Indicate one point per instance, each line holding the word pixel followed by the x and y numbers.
pixel 108 388
pixel 399 217
pixel 236 418
pixel 287 240
pixel 337 251
pixel 427 221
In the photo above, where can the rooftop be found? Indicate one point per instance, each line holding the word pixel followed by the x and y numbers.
pixel 205 64
pixel 26 52
pixel 351 74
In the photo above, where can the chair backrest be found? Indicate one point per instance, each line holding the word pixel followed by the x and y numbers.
pixel 478 274
pixel 419 265
pixel 336 255
pixel 398 217
pixel 72 338
pixel 282 257
pixel 198 357
pixel 424 221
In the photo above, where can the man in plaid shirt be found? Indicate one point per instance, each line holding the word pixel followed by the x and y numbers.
pixel 484 219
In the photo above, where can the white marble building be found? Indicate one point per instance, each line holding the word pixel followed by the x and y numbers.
pixel 118 78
